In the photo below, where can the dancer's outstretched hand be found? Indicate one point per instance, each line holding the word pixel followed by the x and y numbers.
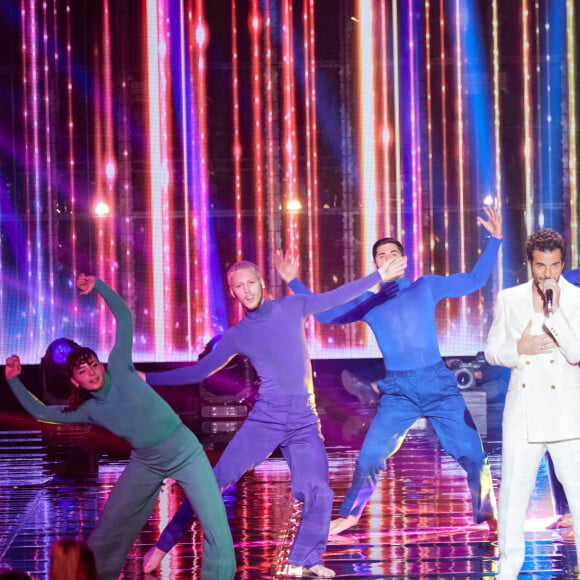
pixel 13 368
pixel 286 264
pixel 85 283
pixel 493 222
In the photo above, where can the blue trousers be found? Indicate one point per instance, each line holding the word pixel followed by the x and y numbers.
pixel 292 424
pixel 133 498
pixel 407 395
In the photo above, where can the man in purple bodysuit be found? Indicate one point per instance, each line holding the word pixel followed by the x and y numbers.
pixel 271 335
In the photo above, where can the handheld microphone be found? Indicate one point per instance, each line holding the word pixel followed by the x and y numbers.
pixel 549 294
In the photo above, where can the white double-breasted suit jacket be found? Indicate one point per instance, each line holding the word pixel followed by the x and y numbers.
pixel 543 399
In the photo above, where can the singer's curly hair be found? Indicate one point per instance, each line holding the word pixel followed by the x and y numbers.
pixel 545 240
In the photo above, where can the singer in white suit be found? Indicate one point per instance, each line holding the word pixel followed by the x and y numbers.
pixel 536 333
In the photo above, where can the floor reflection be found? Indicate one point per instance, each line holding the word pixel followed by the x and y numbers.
pixel 55 480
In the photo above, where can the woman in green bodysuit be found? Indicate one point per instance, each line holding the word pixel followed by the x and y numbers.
pixel 162 446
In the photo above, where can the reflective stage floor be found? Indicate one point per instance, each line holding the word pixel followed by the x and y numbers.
pixel 54 481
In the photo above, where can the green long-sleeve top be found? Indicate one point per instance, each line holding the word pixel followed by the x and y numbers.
pixel 125 405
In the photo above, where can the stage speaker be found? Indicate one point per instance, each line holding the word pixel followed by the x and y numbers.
pixel 235 384
pixel 227 395
pixel 55 382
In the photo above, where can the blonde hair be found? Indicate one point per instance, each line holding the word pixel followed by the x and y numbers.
pixel 241 265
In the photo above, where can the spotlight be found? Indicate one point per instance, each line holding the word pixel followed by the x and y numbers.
pixel 102 209
pixel 55 381
pixel 293 205
pixel 110 170
pixel 56 353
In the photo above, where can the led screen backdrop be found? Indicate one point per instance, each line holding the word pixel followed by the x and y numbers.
pixel 155 142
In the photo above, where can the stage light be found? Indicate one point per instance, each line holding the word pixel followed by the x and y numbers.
pixel 488 200
pixel 56 353
pixel 293 205
pixel 110 170
pixel 102 209
pixel 55 383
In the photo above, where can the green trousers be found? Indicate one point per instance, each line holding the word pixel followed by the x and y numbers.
pixel 133 498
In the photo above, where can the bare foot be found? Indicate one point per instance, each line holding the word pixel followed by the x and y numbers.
pixel 340 524
pixel 321 571
pixel 568 535
pixel 152 559
pixel 492 529
pixel 291 570
pixel 318 571
pixel 564 521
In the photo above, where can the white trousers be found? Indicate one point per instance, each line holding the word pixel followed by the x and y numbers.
pixel 520 462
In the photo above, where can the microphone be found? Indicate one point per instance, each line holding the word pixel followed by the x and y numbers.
pixel 549 294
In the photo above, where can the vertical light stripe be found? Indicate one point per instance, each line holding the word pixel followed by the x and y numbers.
pixel 255 23
pixel 367 125
pixel 429 129
pixel 155 160
pixel 497 123
pixel 289 141
pixel 203 286
pixel 528 149
pixel 237 152
pixel 384 145
pixel 311 131
pixel 460 135
pixel 417 262
pixel 398 192
pixel 571 68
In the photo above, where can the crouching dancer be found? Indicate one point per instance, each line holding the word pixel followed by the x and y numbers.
pixel 271 335
pixel 119 400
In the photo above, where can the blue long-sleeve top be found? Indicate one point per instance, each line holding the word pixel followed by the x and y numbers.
pixel 272 337
pixel 404 325
pixel 125 405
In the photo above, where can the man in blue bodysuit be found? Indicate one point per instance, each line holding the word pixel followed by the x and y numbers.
pixel 271 335
pixel 417 382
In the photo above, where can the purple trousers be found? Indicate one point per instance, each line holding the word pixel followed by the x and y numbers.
pixel 291 423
